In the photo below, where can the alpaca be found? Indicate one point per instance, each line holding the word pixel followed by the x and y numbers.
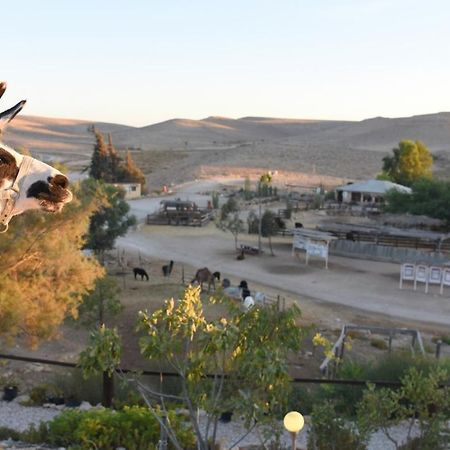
pixel 141 272
pixel 25 182
pixel 204 275
pixel 167 269
pixel 216 275
pixel 245 291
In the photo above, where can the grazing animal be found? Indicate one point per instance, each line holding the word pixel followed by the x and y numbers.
pixel 141 272
pixel 25 182
pixel 203 276
pixel 167 269
pixel 241 255
pixel 298 225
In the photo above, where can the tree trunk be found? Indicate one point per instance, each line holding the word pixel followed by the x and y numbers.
pixel 108 390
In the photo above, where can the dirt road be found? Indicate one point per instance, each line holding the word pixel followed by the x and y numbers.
pixel 363 285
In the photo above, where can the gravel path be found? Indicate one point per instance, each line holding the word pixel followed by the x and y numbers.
pixel 17 417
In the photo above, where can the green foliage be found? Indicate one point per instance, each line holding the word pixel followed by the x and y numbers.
pixel 43 273
pixel 428 197
pixel 99 168
pixel 229 219
pixel 421 399
pixel 215 200
pixel 250 348
pixel 103 354
pixel 331 432
pixel 109 222
pixel 269 226
pixel 380 344
pixel 247 189
pixel 410 162
pixel 134 428
pixel 8 433
pixel 103 299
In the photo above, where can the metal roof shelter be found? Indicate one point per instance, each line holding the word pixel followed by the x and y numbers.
pixel 368 191
pixel 315 243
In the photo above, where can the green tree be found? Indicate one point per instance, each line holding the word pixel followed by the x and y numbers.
pixel 269 226
pixel 229 219
pixel 429 197
pixel 99 168
pixel 43 273
pixel 101 301
pixel 102 356
pixel 116 171
pixel 246 352
pixel 410 162
pixel 421 398
pixel 109 222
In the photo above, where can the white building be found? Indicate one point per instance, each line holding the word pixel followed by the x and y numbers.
pixel 132 190
pixel 371 191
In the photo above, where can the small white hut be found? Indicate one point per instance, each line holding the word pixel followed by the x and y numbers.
pixel 132 190
pixel 371 191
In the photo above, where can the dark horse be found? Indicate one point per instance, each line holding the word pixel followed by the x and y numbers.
pixel 138 271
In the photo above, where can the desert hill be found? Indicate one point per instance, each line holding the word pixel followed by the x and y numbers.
pixel 336 148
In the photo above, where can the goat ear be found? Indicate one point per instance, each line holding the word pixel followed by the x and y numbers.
pixel 9 114
pixel 2 88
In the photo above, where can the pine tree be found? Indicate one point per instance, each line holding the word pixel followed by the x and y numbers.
pixel 100 165
pixel 132 173
pixel 43 273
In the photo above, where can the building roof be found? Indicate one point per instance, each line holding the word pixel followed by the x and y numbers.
pixel 374 187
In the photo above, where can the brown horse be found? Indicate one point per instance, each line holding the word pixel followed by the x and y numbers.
pixel 204 275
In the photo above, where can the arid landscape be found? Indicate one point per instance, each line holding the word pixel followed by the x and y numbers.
pixel 180 150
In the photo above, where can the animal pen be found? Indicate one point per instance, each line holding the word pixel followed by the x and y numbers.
pixel 180 212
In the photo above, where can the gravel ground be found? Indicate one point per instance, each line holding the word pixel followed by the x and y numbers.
pixel 15 416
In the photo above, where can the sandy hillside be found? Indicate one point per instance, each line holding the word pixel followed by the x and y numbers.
pixel 180 149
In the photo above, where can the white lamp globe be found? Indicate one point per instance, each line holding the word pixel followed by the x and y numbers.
pixel 293 421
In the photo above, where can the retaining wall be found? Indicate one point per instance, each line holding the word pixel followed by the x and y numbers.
pixel 376 252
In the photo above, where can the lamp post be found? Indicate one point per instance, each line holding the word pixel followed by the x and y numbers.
pixel 293 422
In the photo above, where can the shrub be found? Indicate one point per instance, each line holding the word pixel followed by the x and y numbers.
pixel 380 344
pixel 134 428
pixel 8 433
pixel 331 432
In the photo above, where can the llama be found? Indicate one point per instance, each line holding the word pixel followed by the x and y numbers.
pixel 204 275
pixel 141 272
pixel 167 269
pixel 25 182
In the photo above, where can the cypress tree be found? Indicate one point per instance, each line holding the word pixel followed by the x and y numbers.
pixel 115 163
pixel 99 168
pixel 132 173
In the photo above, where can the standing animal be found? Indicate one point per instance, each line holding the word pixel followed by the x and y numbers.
pixel 141 272
pixel 25 182
pixel 167 269
pixel 216 275
pixel 203 276
pixel 245 291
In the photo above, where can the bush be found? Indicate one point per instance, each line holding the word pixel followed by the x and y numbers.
pixel 380 344
pixel 8 433
pixel 134 428
pixel 331 432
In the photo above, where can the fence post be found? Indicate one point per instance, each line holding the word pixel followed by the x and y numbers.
pixel 438 349
pixel 182 274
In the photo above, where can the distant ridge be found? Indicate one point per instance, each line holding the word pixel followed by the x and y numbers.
pixel 338 148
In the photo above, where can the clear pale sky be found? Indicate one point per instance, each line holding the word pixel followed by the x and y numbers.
pixel 140 62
